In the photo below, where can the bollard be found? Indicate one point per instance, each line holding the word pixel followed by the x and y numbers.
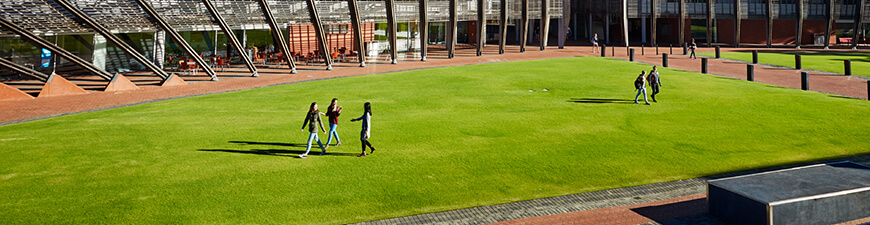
pixel 641 49
pixel 750 72
pixel 672 48
pixel 665 59
pixel 717 51
pixel 797 61
pixel 686 48
pixel 603 50
pixel 657 49
pixel 754 56
pixel 848 65
pixel 868 90
pixel 612 52
pixel 631 55
pixel 805 81
pixel 704 65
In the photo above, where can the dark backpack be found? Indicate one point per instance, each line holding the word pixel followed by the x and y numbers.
pixel 639 82
pixel 652 79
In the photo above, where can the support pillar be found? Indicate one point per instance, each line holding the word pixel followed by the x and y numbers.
pixel 231 36
pixel 625 22
pixel 481 26
pixel 424 29
pixel 682 22
pixel 711 14
pixel 859 16
pixel 176 37
pixel 653 24
pixel 524 26
pixel 357 32
pixel 502 26
pixel 120 44
pixel 737 23
pixel 321 35
pixel 769 31
pixel 451 29
pixel 159 51
pixel 391 29
pixel 829 4
pixel 277 36
pixel 799 23
pixel 545 23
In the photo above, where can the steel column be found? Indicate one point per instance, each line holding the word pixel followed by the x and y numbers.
pixel 524 27
pixel 564 22
pixel 653 17
pixel 277 36
pixel 481 26
pixel 799 24
pixel 830 14
pixel 424 29
pixel 231 36
pixel 711 13
pixel 99 28
pixel 502 26
pixel 859 16
pixel 42 43
pixel 624 22
pixel 545 23
pixel 737 23
pixel 318 30
pixel 176 37
pixel 451 29
pixel 5 63
pixel 682 22
pixel 357 31
pixel 391 29
pixel 769 4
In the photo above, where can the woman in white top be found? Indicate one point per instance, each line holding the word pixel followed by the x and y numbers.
pixel 365 133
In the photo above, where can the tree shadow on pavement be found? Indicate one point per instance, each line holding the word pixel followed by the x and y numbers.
pixel 601 100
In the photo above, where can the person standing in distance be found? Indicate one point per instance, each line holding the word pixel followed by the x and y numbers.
pixel 640 85
pixel 333 112
pixel 654 82
pixel 692 48
pixel 312 119
pixel 365 133
pixel 595 43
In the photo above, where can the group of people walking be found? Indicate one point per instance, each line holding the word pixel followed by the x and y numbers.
pixel 313 121
pixel 654 82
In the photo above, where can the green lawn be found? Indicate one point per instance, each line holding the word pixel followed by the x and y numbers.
pixel 447 138
pixel 830 62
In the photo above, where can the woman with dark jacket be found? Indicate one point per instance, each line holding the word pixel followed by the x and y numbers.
pixel 365 134
pixel 312 119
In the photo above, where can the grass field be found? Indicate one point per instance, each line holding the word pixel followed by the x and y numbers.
pixel 447 138
pixel 829 62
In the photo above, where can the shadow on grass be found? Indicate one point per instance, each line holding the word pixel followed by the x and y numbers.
pixel 303 145
pixel 279 152
pixel 601 100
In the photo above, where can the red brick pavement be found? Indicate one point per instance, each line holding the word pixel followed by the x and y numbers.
pixel 625 215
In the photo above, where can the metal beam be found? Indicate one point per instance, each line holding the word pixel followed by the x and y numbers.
pixel 424 29
pixel 502 26
pixel 545 23
pixel 624 22
pixel 711 13
pixel 357 31
pixel 524 25
pixel 231 35
pixel 321 35
pixel 830 14
pixel 5 63
pixel 451 30
pixel 481 26
pixel 769 4
pixel 859 16
pixel 799 24
pixel 176 37
pixel 737 14
pixel 682 22
pixel 42 43
pixel 653 24
pixel 124 46
pixel 391 29
pixel 276 34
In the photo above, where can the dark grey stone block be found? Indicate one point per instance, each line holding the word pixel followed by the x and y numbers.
pixel 817 194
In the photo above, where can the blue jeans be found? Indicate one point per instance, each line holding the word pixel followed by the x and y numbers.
pixel 642 90
pixel 333 132
pixel 313 136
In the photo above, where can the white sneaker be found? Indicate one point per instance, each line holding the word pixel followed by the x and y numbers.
pixel 303 156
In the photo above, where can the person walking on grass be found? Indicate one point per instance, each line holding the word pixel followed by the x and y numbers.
pixel 692 48
pixel 595 43
pixel 312 120
pixel 640 85
pixel 333 112
pixel 654 82
pixel 365 134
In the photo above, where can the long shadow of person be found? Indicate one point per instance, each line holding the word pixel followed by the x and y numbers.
pixel 601 100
